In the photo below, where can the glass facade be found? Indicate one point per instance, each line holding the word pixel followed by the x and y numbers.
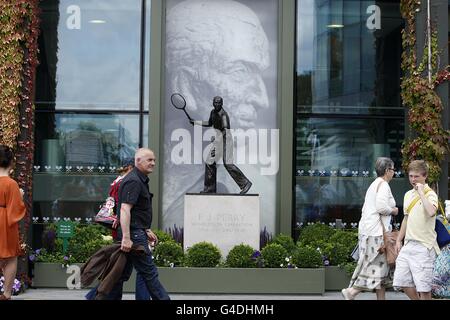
pixel 92 93
pixel 348 110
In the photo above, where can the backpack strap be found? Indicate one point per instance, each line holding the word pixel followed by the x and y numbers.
pixel 415 200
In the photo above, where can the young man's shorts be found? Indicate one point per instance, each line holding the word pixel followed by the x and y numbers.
pixel 414 267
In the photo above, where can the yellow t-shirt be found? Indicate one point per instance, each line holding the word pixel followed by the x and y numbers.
pixel 420 226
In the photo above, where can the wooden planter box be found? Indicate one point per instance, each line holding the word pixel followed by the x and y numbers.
pixel 336 278
pixel 209 280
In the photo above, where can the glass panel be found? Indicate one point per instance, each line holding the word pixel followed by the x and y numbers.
pixel 228 49
pixel 335 161
pixel 77 157
pixel 89 55
pixel 84 140
pixel 348 57
pixel 348 109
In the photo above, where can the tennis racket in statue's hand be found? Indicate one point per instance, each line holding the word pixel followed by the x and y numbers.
pixel 179 102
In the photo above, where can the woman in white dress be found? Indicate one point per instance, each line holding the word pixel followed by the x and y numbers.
pixel 372 271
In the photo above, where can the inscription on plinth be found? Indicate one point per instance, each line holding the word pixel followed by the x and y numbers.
pixel 224 220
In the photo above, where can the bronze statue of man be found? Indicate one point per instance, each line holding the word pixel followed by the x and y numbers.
pixel 222 148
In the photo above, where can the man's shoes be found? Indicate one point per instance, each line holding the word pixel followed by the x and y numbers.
pixel 246 188
pixel 206 191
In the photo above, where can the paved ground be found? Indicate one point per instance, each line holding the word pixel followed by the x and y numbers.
pixel 64 294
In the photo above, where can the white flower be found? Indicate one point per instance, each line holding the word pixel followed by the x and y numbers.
pixel 282 265
pixel 107 238
pixel 171 265
pixel 286 259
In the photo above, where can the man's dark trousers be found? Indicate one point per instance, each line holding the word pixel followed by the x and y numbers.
pixel 145 266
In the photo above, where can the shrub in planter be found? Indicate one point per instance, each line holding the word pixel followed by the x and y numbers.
pixel 241 256
pixel 203 254
pixel 286 242
pixel 163 236
pixel 340 246
pixel 86 241
pixel 168 254
pixel 307 257
pixel 274 255
pixel 315 235
pixel 349 267
pixel 42 255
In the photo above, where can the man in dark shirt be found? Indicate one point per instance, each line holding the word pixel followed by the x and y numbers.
pixel 135 207
pixel 222 147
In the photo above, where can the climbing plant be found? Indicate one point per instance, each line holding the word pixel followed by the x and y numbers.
pixel 429 141
pixel 19 30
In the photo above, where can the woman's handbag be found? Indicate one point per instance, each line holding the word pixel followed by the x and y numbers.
pixel 388 246
pixel 442 229
pixel 105 215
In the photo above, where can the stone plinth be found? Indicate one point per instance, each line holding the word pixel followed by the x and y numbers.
pixel 225 220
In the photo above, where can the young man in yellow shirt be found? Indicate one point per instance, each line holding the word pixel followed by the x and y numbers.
pixel 414 265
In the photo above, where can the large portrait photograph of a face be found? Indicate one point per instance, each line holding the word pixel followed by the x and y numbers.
pixel 227 49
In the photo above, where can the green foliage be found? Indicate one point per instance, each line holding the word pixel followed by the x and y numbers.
pixel 163 236
pixel 86 241
pixel 286 242
pixel 315 235
pixel 169 254
pixel 274 255
pixel 203 254
pixel 307 257
pixel 349 267
pixel 240 256
pixel 51 257
pixel 340 246
pixel 430 139
pixel 18 60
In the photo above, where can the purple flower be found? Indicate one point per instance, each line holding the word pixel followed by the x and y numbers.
pixel 38 251
pixel 66 258
pixel 326 262
pixel 256 254
pixel 16 287
pixel 32 257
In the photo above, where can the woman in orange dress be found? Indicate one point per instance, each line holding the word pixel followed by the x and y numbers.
pixel 12 210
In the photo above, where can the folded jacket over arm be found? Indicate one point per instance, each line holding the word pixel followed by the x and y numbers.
pixel 107 264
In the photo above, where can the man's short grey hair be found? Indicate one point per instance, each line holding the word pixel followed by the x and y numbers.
pixel 382 165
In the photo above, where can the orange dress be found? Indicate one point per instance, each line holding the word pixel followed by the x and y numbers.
pixel 12 210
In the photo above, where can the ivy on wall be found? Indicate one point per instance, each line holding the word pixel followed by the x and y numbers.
pixel 19 30
pixel 430 141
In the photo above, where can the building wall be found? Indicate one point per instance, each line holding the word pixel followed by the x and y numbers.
pixel 331 77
